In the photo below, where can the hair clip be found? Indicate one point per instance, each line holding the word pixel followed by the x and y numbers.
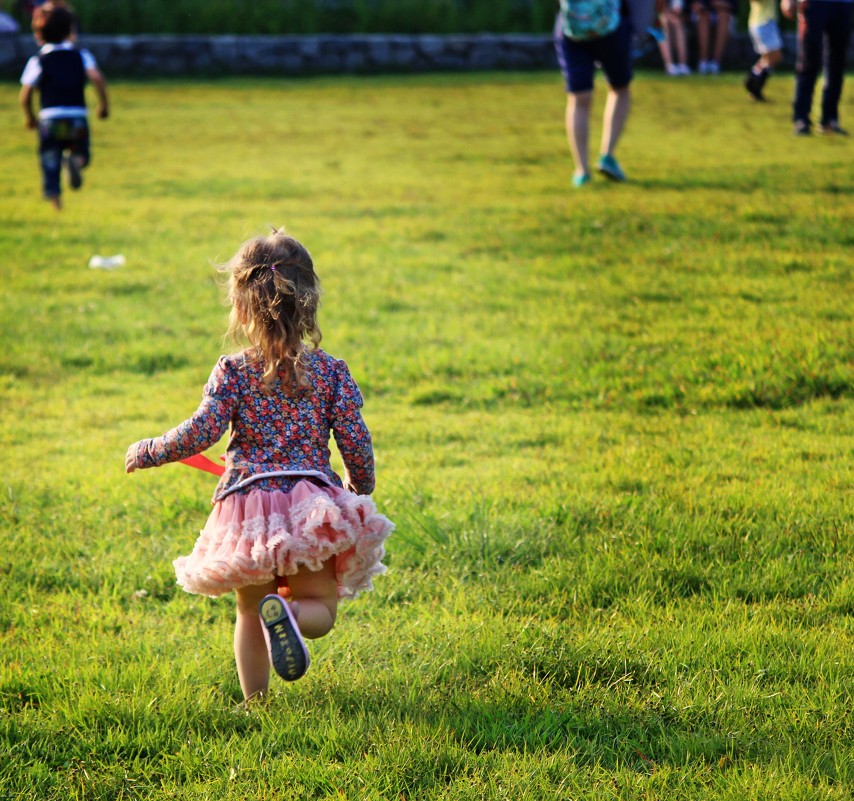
pixel 273 267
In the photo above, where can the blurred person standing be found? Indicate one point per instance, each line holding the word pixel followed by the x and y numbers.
pixel 587 34
pixel 723 11
pixel 673 27
pixel 824 30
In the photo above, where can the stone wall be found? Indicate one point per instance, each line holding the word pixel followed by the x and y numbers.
pixel 141 56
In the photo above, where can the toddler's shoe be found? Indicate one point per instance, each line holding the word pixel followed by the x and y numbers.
pixel 580 179
pixel 609 167
pixel 802 128
pixel 753 84
pixel 75 177
pixel 288 654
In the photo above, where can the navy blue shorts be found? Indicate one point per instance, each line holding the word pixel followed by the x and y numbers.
pixel 578 60
pixel 711 6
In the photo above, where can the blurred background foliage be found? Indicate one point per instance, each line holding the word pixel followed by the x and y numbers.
pixel 319 16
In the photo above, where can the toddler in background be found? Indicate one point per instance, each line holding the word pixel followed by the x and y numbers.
pixel 60 72
pixel 767 42
pixel 281 515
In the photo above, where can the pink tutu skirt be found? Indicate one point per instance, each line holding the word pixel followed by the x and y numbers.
pixel 259 537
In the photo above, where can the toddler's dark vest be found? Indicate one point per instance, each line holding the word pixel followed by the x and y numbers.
pixel 63 79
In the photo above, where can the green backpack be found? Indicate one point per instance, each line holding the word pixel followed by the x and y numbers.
pixel 583 20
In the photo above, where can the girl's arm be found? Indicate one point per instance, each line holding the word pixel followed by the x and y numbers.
pixel 197 433
pixel 352 436
pixel 354 444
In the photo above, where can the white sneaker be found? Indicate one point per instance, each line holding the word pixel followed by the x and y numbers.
pixel 713 68
pixel 684 69
pixel 703 68
pixel 672 69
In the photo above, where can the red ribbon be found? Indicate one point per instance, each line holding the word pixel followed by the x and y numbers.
pixel 201 462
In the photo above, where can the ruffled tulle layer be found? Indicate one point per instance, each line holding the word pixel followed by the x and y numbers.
pixel 255 538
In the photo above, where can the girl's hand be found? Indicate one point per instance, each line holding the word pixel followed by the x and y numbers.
pixel 130 458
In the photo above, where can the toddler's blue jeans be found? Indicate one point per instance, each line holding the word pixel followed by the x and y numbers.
pixel 56 137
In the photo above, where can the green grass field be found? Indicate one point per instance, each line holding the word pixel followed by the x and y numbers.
pixel 614 428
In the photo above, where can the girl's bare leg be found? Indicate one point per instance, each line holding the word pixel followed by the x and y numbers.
pixel 314 603
pixel 250 647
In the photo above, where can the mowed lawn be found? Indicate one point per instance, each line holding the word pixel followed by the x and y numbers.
pixel 613 426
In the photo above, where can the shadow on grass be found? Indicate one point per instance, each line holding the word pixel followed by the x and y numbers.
pixel 599 732
pixel 605 734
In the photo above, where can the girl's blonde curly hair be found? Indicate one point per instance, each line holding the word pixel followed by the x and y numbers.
pixel 275 295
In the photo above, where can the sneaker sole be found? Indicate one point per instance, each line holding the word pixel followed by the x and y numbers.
pixel 288 654
pixel 613 176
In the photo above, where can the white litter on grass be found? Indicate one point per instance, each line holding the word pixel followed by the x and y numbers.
pixel 107 262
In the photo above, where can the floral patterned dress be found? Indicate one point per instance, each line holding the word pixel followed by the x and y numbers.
pixel 266 526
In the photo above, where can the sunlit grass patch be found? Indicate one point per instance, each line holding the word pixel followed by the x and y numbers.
pixel 613 428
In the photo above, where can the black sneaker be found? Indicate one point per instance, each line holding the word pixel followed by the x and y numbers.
pixel 833 128
pixel 753 83
pixel 288 654
pixel 802 128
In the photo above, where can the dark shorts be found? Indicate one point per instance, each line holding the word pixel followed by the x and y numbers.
pixel 714 5
pixel 578 60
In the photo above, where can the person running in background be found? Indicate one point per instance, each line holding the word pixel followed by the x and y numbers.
pixel 60 73
pixel 282 518
pixel 767 42
pixel 824 29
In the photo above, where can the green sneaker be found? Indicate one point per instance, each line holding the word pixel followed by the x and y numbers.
pixel 608 166
pixel 580 179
